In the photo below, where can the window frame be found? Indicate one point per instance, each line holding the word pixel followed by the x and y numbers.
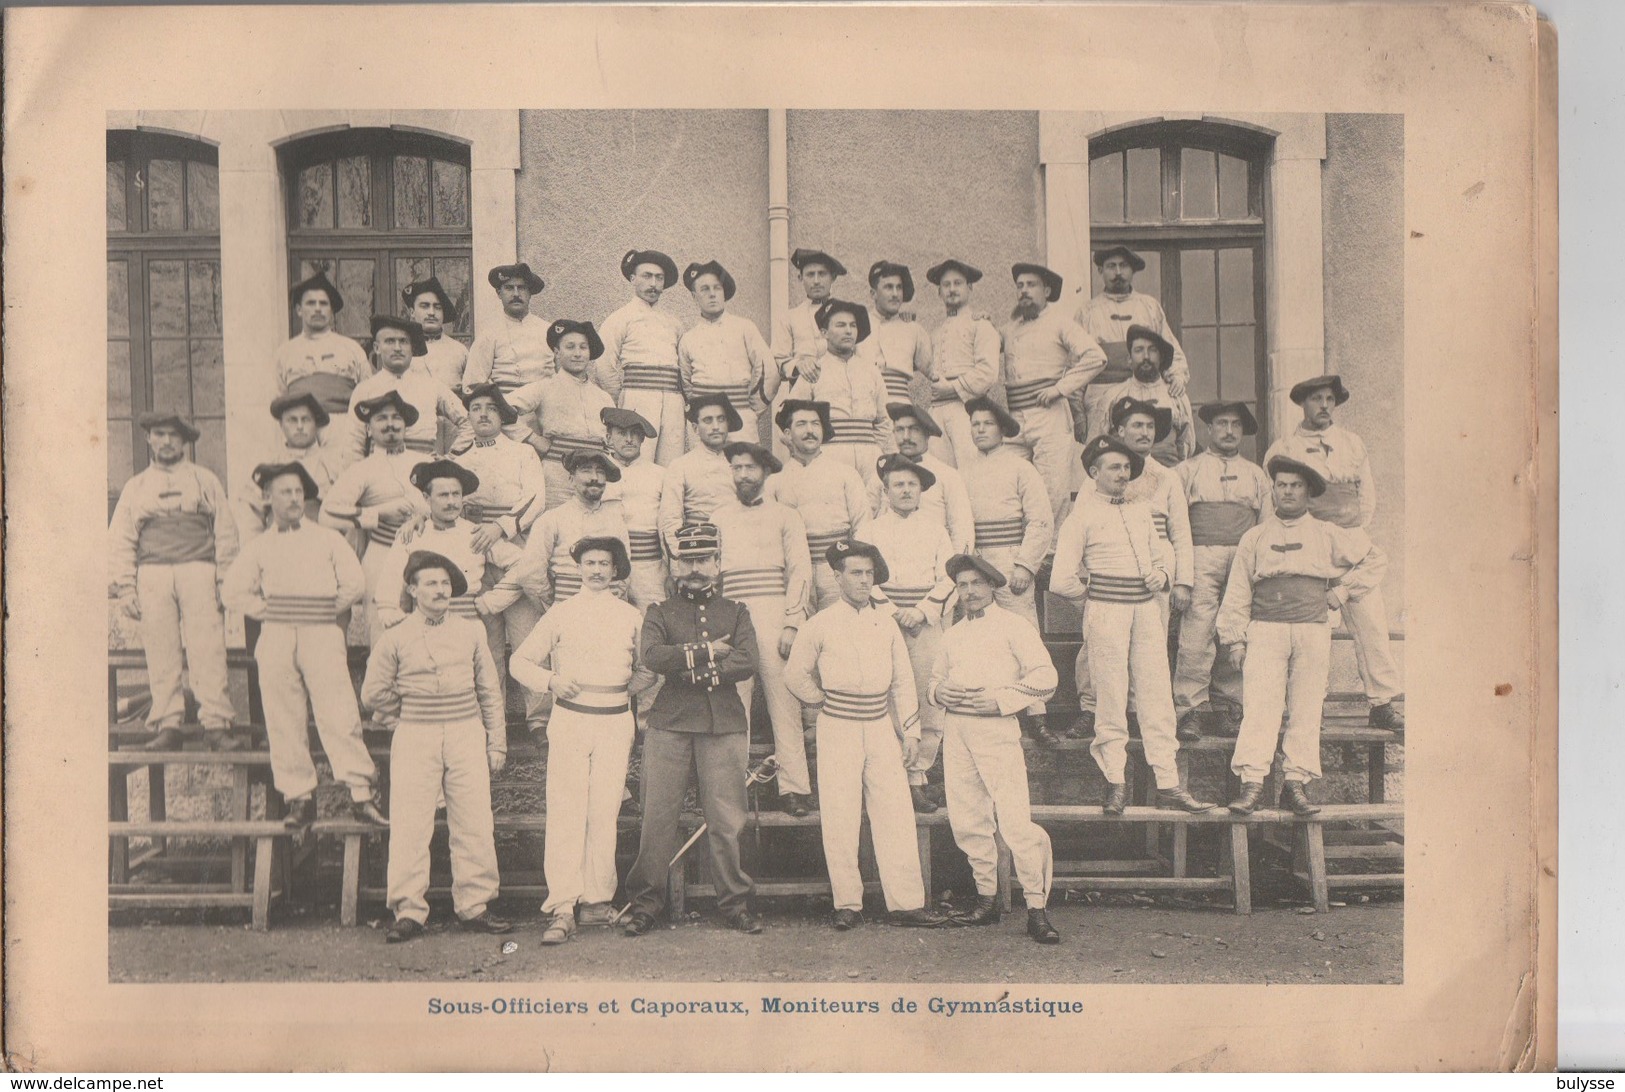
pixel 381 245
pixel 1169 236
pixel 138 248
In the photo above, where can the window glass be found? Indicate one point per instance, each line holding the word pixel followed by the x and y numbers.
pixel 171 375
pixel 1199 184
pixel 1233 189
pixel 117 199
pixel 1196 287
pixel 118 380
pixel 164 186
pixel 1236 285
pixel 450 194
pixel 355 191
pixel 118 299
pixel 411 191
pixel 203 290
pixel 1144 185
pixel 1237 364
pixel 166 298
pixel 202 196
pixel 454 277
pixel 208 376
pixel 1106 189
pixel 316 196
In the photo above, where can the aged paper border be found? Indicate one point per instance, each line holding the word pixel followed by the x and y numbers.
pixel 1478 990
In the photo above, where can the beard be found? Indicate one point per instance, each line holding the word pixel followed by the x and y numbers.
pixel 1025 309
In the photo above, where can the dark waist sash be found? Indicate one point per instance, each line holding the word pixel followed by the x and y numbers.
pixel 433 708
pixel 560 446
pixel 1289 599
pixel 300 610
pixel 175 539
pixel 1104 588
pixel 1024 396
pixel 331 390
pixel 645 545
pixel 1220 523
pixel 819 543
pixel 853 430
pixel 1117 368
pixel 845 705
pixel 758 583
pixel 738 394
pixel 613 699
pixel 896 384
pixel 1340 504
pixel 994 533
pixel 652 377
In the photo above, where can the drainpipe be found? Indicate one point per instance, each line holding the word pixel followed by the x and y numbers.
pixel 778 216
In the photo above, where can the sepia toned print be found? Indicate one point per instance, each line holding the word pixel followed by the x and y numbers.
pixel 841 555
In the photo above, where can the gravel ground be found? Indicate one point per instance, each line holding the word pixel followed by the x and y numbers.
pixel 1137 943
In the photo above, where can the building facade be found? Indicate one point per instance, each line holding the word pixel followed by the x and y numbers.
pixel 1275 241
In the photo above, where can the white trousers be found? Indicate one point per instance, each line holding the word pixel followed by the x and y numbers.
pixel 507 631
pixel 1285 672
pixel 427 759
pixel 1046 439
pixel 587 755
pixel 985 775
pixel 767 619
pixel 860 768
pixel 955 445
pixel 1367 621
pixel 300 662
pixel 1086 685
pixel 1127 641
pixel 664 410
pixel 1199 671
pixel 1003 558
pixel 922 651
pixel 181 621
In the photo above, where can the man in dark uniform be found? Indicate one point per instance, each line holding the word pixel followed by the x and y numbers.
pixel 702 645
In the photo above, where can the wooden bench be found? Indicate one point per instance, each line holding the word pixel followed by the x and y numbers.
pixel 264 834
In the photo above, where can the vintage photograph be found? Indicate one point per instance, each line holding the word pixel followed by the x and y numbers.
pixel 774 545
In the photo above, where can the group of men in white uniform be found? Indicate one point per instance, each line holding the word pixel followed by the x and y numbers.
pixel 886 551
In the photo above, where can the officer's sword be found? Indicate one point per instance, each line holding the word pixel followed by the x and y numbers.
pixel 759 774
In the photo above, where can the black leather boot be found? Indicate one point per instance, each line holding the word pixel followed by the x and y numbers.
pixel 1388 716
pixel 1296 800
pixel 1116 800
pixel 985 912
pixel 1251 793
pixel 1180 799
pixel 1190 726
pixel 1039 928
pixel 1038 727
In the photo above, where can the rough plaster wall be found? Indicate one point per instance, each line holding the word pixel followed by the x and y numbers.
pixel 1363 191
pixel 593 184
pixel 917 186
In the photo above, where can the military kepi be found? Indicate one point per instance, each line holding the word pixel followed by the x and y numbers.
pixel 696 540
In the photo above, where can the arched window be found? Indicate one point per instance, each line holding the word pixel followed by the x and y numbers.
pixel 164 333
pixel 377 209
pixel 1189 198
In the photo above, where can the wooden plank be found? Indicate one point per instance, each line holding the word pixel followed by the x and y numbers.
pixel 1181 846
pixel 171 888
pixel 1329 813
pixel 178 901
pixel 1109 866
pixel 350 885
pixel 239 810
pixel 1376 772
pixel 1142 883
pixel 264 852
pixel 1370 879
pixel 922 835
pixel 118 811
pixel 1390 850
pixel 200 828
pixel 1314 837
pixel 133 759
pixel 1241 876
